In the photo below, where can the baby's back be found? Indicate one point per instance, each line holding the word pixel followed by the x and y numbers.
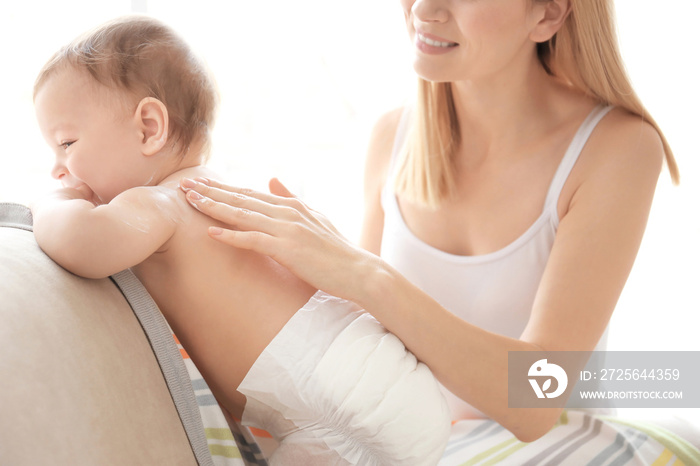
pixel 334 387
pixel 224 304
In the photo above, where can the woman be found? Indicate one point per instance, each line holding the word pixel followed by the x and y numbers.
pixel 508 203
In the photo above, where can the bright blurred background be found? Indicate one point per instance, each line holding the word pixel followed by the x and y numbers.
pixel 303 82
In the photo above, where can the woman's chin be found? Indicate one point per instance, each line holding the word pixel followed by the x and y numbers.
pixel 432 74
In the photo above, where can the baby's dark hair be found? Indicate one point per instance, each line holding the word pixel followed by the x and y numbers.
pixel 146 58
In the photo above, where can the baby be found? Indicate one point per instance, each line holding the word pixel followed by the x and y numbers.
pixel 128 110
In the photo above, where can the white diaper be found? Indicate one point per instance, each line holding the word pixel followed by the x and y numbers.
pixel 334 387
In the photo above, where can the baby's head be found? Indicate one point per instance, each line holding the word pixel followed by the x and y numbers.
pixel 133 70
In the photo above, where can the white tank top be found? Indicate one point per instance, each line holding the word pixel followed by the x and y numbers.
pixel 494 291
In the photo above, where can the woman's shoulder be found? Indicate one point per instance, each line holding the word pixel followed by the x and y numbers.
pixel 630 128
pixel 384 132
pixel 391 118
pixel 622 158
pixel 625 142
pixel 381 145
pixel 620 139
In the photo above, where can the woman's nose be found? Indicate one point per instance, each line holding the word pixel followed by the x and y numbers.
pixel 430 11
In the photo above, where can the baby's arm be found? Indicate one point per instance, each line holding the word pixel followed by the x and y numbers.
pixel 98 241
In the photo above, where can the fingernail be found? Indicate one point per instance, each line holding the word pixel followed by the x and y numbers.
pixel 187 183
pixel 202 180
pixel 195 196
pixel 215 231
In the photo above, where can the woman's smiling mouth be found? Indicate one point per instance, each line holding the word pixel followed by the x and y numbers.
pixel 431 44
pixel 434 43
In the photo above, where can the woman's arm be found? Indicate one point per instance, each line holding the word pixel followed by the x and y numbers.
pixel 594 249
pixel 469 361
pixel 593 253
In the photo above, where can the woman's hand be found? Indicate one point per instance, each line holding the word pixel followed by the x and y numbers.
pixel 282 227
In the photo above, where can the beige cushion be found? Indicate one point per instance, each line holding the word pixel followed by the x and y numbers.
pixel 79 383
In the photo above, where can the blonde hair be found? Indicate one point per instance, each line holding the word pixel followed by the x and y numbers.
pixel 145 58
pixel 583 53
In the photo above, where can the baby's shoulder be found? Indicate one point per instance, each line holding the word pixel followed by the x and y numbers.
pixel 151 209
pixel 161 200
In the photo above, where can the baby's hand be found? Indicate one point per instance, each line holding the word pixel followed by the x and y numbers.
pixel 82 192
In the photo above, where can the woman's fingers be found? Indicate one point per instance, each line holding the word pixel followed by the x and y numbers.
pixel 241 218
pixel 257 232
pixel 230 194
pixel 252 240
pixel 278 189
pixel 239 200
pixel 281 227
pixel 283 208
pixel 213 189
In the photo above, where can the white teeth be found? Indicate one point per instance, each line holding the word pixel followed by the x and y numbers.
pixel 434 43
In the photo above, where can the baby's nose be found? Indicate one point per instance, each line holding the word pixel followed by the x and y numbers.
pixel 58 171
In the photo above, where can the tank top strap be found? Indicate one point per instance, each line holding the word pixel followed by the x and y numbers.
pixel 565 166
pixel 572 153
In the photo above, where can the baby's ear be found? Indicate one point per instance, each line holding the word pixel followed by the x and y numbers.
pixel 152 120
